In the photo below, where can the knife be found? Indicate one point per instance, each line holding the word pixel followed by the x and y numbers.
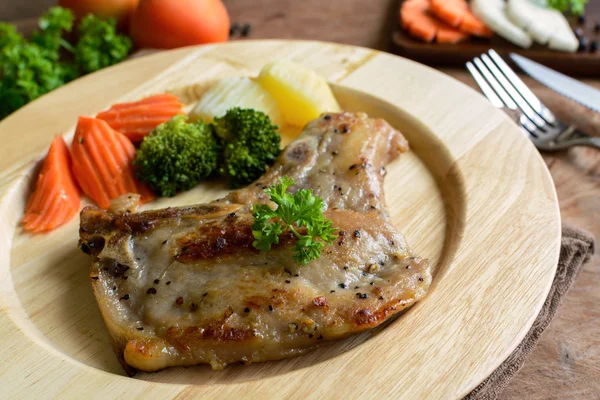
pixel 580 92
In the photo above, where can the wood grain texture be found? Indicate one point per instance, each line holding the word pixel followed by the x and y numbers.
pixel 478 193
pixel 584 63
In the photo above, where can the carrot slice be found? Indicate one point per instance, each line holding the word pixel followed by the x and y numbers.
pixel 156 99
pixel 102 163
pixel 474 26
pixel 451 12
pixel 420 23
pixel 137 119
pixel 456 13
pixel 56 197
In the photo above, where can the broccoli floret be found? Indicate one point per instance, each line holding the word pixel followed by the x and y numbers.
pixel 177 155
pixel 250 142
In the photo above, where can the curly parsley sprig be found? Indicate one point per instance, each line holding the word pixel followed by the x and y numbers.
pixel 294 211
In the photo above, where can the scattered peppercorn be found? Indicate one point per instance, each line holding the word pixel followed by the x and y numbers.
pixel 234 29
pixel 164 242
pixel 372 283
pixel 335 153
pixel 380 297
pixel 168 282
pixel 193 307
pixel 231 215
pixel 594 46
pixel 355 287
pixel 246 29
pixel 270 308
pixel 327 117
pixel 310 336
pixel 126 297
pixel 151 291
pixel 246 310
pixel 140 328
pixel 361 295
pixel 583 43
pixel 597 27
pixel 343 285
pixel 420 279
pixel 205 294
pixel 320 337
pixel 288 281
pixel 345 268
pixel 332 291
pixel 94 277
pixel 581 19
pixel 156 281
pixel 357 233
pixel 579 33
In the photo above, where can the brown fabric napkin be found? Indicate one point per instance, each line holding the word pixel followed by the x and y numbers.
pixel 577 247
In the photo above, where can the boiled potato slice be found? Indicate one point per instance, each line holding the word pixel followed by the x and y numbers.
pixel 236 92
pixel 301 93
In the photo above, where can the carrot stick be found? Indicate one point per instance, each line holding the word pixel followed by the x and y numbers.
pixel 102 162
pixel 137 119
pixel 56 197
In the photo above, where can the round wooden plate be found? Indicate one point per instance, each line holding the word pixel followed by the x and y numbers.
pixel 474 196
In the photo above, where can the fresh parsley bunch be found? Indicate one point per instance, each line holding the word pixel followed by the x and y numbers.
pixel 99 45
pixel 31 68
pixel 294 211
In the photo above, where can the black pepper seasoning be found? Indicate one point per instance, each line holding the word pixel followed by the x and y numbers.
pixel 343 285
pixel 288 281
pixel 420 279
pixel 151 291
pixel 327 117
pixel 361 295
pixel 156 281
pixel 126 297
pixel 270 308
pixel 140 328
pixel 246 310
pixel 168 282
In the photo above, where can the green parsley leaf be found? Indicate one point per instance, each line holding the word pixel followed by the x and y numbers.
pixel 99 44
pixel 293 212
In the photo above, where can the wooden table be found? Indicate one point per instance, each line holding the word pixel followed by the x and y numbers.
pixel 566 362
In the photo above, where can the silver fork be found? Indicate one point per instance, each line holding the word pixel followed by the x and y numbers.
pixel 504 88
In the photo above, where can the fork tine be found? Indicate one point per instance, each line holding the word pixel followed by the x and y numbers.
pixel 527 94
pixel 521 103
pixel 510 104
pixel 485 88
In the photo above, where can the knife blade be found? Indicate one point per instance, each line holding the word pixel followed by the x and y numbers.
pixel 567 86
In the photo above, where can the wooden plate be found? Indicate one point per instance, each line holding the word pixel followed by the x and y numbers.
pixel 474 196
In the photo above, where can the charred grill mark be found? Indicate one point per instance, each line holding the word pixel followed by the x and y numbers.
pixel 298 152
pixel 216 240
pixel 113 267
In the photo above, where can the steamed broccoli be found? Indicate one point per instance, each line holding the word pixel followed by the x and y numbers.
pixel 249 141
pixel 177 155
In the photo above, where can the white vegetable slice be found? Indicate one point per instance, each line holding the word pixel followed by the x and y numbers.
pixel 236 92
pixel 493 14
pixel 545 26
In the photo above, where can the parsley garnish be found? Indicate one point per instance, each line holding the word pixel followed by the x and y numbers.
pixel 301 209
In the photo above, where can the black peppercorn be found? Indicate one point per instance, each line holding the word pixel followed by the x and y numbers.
pixel 246 310
pixel 581 19
pixel 151 291
pixel 594 46
pixel 583 44
pixel 246 29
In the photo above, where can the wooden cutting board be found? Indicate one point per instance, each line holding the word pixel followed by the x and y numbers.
pixel 474 196
pixel 581 63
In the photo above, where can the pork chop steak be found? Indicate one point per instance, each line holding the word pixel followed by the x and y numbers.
pixel 184 286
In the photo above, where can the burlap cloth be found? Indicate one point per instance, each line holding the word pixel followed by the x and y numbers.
pixel 576 248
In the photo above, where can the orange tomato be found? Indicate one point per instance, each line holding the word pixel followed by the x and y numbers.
pixel 167 24
pixel 119 9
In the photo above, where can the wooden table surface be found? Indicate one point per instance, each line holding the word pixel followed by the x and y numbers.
pixel 566 362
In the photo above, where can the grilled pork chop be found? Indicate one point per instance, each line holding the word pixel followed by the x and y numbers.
pixel 184 286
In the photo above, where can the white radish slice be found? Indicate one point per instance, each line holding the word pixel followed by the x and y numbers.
pixel 545 26
pixel 493 14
